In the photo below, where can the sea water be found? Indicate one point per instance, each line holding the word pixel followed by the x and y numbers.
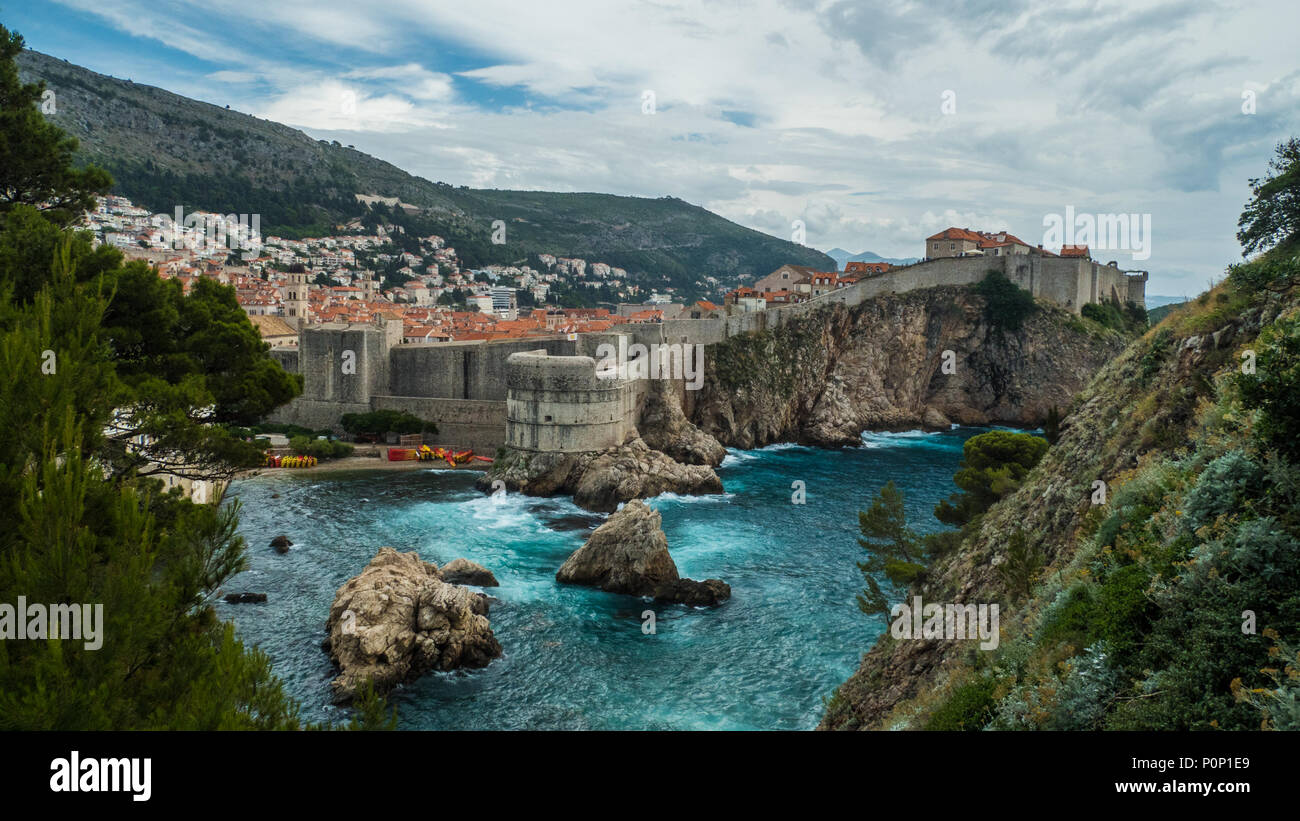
pixel 578 658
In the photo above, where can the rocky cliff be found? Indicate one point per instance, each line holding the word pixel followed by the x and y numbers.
pixel 1135 620
pixel 881 365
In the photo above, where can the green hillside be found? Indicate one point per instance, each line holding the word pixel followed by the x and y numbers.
pixel 166 150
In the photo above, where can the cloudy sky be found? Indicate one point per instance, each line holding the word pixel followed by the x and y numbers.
pixel 875 123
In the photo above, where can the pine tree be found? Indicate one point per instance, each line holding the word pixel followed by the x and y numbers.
pixel 894 550
pixel 36 166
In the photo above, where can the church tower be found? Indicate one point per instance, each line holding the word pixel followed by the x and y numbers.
pixel 296 307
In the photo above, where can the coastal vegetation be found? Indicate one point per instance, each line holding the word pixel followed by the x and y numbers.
pixel 1166 592
pixel 320 448
pixel 993 465
pixel 113 379
pixel 381 422
pixel 1006 304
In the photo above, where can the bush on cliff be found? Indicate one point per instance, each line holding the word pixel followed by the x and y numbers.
pixel 1129 318
pixel 1272 391
pixel 993 465
pixel 1006 305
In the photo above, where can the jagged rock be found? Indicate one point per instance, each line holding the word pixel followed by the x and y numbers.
pixel 664 427
pixel 600 480
pixel 932 419
pixel 629 554
pixel 634 471
pixel 245 598
pixel 708 593
pixel 463 571
pixel 281 544
pixel 397 620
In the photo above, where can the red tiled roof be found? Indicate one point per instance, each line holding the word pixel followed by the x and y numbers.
pixel 957 234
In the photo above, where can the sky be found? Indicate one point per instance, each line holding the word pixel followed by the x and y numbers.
pixel 857 124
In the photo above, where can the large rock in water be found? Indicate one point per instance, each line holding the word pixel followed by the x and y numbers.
pixel 463 571
pixel 600 480
pixel 629 554
pixel 398 619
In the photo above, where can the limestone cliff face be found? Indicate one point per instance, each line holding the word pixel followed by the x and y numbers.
pixel 1140 406
pixel 879 365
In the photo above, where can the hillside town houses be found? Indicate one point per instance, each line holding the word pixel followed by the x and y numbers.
pixel 287 284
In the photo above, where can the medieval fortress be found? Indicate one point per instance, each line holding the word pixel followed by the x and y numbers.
pixel 546 393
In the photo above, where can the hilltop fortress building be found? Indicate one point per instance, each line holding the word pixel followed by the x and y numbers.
pixel 543 393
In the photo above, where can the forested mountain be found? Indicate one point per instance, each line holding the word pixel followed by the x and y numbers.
pixel 166 150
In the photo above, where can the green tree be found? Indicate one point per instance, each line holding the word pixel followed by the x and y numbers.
pixel 78 525
pixel 894 550
pixel 1273 390
pixel 993 465
pixel 1272 217
pixel 29 242
pixel 191 365
pixel 72 533
pixel 35 155
pixel 386 421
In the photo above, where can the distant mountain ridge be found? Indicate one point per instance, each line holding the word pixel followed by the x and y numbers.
pixel 841 257
pixel 166 150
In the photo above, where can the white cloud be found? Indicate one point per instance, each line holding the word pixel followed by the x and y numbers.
pixel 1112 106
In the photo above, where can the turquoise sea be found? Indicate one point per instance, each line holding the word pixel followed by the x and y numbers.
pixel 577 658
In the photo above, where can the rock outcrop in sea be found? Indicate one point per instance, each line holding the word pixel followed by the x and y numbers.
pixel 601 480
pixel 463 571
pixel 398 619
pixel 629 554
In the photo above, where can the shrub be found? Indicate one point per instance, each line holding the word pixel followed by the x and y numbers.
pixel 968 707
pixel 1006 305
pixel 386 421
pixel 1156 352
pixel 1220 488
pixel 1273 390
pixel 1083 695
pixel 320 448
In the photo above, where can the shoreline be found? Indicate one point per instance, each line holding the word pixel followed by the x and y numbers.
pixel 355 463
